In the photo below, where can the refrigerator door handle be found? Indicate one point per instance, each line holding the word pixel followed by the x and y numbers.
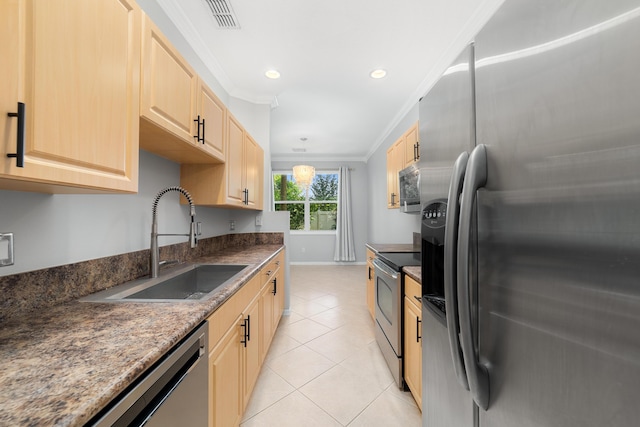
pixel 477 374
pixel 450 266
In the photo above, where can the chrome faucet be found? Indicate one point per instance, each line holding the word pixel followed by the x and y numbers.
pixel 193 240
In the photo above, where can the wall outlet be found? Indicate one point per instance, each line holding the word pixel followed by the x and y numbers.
pixel 232 224
pixel 6 249
pixel 259 220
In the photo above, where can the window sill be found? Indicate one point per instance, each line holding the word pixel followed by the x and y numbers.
pixel 313 233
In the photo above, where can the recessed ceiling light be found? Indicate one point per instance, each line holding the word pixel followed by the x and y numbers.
pixel 378 74
pixel 272 74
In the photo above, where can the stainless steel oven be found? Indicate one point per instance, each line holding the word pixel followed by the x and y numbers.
pixel 389 289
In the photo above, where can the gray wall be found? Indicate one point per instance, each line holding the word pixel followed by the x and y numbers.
pixel 51 230
pixel 388 225
pixel 309 248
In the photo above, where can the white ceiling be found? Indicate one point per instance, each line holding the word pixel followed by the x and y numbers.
pixel 325 50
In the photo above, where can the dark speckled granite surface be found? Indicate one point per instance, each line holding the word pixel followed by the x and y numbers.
pixel 63 362
pixel 414 271
pixel 40 289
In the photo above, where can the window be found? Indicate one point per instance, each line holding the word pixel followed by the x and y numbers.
pixel 312 210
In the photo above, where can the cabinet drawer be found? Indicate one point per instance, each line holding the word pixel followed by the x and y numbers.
pixel 221 320
pixel 224 317
pixel 269 271
pixel 370 255
pixel 412 289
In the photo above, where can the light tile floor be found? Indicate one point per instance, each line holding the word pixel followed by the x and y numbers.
pixel 324 367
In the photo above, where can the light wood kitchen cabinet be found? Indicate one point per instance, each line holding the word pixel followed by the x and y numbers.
pixel 411 146
pixel 251 356
pixel 234 357
pixel 278 300
pixel 272 300
pixel 266 314
pixel 395 157
pixel 413 339
pixel 76 68
pixel 244 167
pixel 236 172
pixel 237 183
pixel 404 152
pixel 371 283
pixel 225 378
pixel 240 332
pixel 213 117
pixel 253 169
pixel 181 119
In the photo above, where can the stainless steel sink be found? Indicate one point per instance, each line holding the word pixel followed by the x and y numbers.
pixel 193 282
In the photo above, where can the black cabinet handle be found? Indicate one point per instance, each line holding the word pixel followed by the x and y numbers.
pixel 244 327
pixel 393 199
pixel 197 135
pixel 248 327
pixel 369 272
pixel 418 321
pixel 200 135
pixel 19 154
pixel 275 286
pixel 417 150
pixel 246 196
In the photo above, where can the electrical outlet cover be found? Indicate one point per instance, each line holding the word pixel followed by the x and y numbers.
pixel 6 249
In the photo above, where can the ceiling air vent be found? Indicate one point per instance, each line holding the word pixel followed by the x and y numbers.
pixel 299 150
pixel 223 14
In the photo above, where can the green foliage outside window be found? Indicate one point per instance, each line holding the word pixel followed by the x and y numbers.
pixel 289 197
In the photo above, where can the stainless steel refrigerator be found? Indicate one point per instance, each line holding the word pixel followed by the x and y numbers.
pixel 539 244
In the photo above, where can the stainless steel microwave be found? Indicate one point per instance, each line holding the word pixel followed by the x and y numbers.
pixel 409 180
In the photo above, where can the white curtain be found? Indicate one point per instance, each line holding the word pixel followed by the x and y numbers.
pixel 345 250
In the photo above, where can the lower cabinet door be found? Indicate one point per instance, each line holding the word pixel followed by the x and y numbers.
pixel 278 294
pixel 266 319
pixel 413 350
pixel 251 353
pixel 225 378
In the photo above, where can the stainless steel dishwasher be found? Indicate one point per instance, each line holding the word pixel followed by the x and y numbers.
pixel 173 392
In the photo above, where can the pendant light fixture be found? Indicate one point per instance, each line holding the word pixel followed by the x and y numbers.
pixel 304 174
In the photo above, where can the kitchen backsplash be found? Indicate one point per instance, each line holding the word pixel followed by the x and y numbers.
pixel 26 292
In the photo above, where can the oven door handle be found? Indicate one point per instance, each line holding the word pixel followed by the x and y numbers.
pixel 451 265
pixel 386 270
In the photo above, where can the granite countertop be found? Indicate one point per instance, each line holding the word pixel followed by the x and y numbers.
pixel 62 365
pixel 414 271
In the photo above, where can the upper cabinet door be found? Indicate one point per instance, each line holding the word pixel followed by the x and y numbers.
pixel 235 162
pixel 181 118
pixel 76 67
pixel 411 146
pixel 253 169
pixel 395 163
pixel 169 85
pixel 213 116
